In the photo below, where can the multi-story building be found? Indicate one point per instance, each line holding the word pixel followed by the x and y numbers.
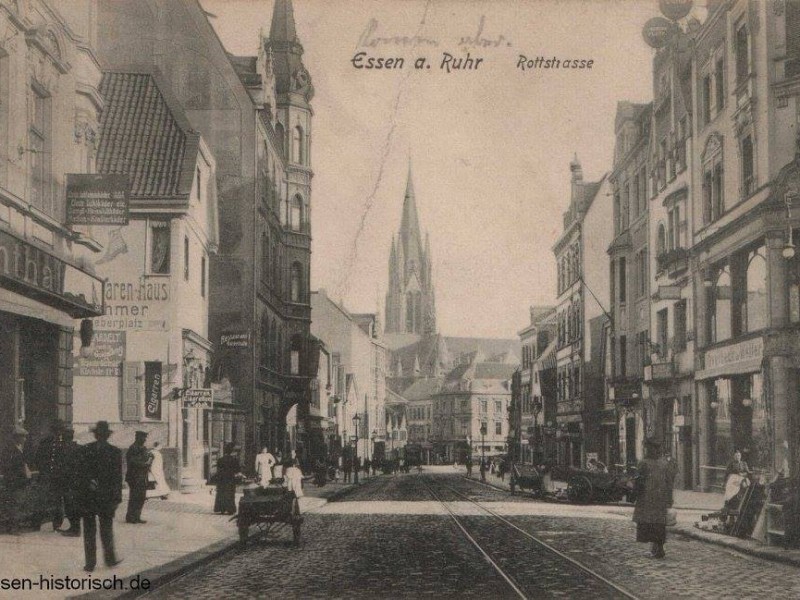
pixel 50 105
pixel 526 396
pixel 419 415
pixel 255 115
pixel 470 411
pixel 746 209
pixel 669 376
pixel 630 280
pixel 582 297
pixel 358 351
pixel 151 345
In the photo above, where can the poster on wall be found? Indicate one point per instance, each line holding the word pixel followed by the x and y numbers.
pixel 108 354
pixel 152 386
pixel 97 199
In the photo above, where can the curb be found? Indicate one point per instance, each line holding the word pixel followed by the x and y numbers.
pixel 168 572
pixel 742 547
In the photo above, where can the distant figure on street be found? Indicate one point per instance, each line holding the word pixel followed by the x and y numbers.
pixel 46 461
pixel 737 479
pixel 228 469
pixel 654 497
pixel 16 477
pixel 98 492
pixel 67 467
pixel 367 466
pixel 138 459
pixel 347 468
pixel 375 464
pixel 156 475
pixel 468 464
pixel 265 463
pixel 483 470
pixel 293 479
pixel 356 468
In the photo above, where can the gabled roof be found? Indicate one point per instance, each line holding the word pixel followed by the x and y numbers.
pixel 423 389
pixel 145 134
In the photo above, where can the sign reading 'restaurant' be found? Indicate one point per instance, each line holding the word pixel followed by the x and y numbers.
pixel 97 199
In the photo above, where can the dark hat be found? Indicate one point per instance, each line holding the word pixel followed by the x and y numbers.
pixel 141 433
pixel 102 427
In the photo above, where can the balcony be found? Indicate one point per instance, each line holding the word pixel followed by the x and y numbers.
pixel 673 262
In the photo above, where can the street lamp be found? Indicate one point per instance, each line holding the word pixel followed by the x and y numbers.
pixel 374 437
pixel 789 250
pixel 483 442
pixel 356 422
pixel 537 438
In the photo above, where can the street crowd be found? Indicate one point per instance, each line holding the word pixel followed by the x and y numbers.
pixel 78 484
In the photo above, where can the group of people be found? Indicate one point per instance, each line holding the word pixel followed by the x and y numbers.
pixel 82 484
pixel 269 471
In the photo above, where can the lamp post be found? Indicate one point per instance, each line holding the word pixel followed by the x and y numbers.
pixel 356 422
pixel 373 438
pixel 483 443
pixel 537 408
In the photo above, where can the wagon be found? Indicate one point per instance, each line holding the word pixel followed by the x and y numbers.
pixel 271 510
pixel 525 477
pixel 584 486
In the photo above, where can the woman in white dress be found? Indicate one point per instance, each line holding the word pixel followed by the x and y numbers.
pixel 293 479
pixel 156 475
pixel 264 464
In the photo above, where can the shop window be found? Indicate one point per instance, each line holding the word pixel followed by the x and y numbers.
pixel 159 247
pixel 755 311
pixel 721 305
pixel 748 172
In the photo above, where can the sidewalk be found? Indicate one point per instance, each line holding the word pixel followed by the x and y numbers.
pixel 690 506
pixel 181 532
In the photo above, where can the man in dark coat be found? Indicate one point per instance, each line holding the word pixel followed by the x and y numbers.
pixel 66 469
pixel 46 461
pixel 98 492
pixel 16 477
pixel 138 459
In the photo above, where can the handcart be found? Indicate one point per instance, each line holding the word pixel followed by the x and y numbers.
pixel 270 509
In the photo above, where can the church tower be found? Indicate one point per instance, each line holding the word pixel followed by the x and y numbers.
pixel 410 305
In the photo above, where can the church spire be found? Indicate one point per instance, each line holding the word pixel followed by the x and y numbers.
pixel 409 225
pixel 283 29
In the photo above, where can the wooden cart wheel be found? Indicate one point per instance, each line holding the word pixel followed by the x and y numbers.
pixel 579 489
pixel 296 521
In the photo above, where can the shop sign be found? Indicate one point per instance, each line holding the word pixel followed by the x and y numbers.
pixel 239 339
pixel 138 305
pixel 41 273
pixel 152 389
pixel 198 398
pixel 744 357
pixel 657 31
pixel 108 354
pixel 94 199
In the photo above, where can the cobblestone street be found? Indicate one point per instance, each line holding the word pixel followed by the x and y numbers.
pixel 392 538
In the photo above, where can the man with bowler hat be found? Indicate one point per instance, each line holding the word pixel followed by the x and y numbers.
pixel 138 459
pixel 98 492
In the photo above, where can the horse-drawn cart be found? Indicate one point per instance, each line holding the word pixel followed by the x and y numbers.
pixel 525 477
pixel 585 486
pixel 270 509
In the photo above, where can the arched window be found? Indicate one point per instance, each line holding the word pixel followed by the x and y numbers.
pixel 296 213
pixel 280 135
pixel 721 307
pixel 662 239
pixel 298 154
pixel 295 353
pixel 266 263
pixel 296 283
pixel 756 302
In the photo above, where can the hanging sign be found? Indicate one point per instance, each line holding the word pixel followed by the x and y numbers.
pixel 152 390
pixel 94 199
pixel 675 10
pixel 657 31
pixel 198 397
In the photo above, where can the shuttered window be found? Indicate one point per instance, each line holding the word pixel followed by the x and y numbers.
pixel 792 38
pixel 132 390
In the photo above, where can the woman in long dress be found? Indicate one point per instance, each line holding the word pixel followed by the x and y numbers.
pixel 156 474
pixel 227 470
pixel 655 478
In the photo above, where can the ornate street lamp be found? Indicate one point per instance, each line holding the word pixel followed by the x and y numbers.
pixel 354 437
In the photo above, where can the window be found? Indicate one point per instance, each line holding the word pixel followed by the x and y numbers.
pixel 297 145
pixel 617 214
pixel 159 247
pixel 721 306
pixel 643 190
pixel 498 406
pixel 719 191
pixel 713 192
pixel 40 152
pixel 792 39
pixel 186 258
pixel 748 179
pixel 498 428
pixel 641 272
pixel 706 99
pixel 755 311
pixel 719 83
pixel 661 331
pixel 662 239
pixel 296 348
pixel 199 185
pixel 622 280
pixel 679 314
pixel 623 356
pixel 203 276
pixel 296 214
pixel 296 283
pixel 484 407
pixel 742 51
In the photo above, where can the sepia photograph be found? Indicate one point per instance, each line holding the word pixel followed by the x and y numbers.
pixel 388 299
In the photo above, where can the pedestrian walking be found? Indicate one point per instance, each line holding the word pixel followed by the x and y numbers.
pixel 468 463
pixel 655 476
pixel 347 468
pixel 156 480
pixel 16 478
pixel 138 460
pixel 356 468
pixel 483 470
pixel 228 469
pixel 293 479
pixel 46 460
pixel 67 467
pixel 265 463
pixel 367 466
pixel 98 493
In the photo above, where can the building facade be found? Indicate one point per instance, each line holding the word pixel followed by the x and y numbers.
pixel 50 106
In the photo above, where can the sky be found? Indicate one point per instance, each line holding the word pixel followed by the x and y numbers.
pixel 490 147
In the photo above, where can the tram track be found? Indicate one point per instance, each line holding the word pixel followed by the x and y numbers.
pixel 593 582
